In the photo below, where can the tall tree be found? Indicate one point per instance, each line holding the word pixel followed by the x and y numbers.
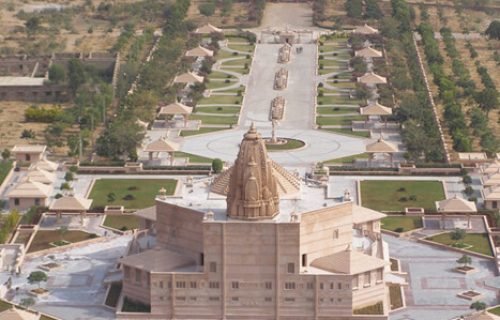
pixel 32 25
pixel 493 30
pixel 487 99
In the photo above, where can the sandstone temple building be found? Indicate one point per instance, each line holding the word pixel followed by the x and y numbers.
pixel 259 243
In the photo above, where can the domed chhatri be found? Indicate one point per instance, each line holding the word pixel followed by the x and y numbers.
pixel 252 192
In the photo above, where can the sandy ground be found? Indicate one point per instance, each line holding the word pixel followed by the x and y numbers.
pixel 238 15
pixel 281 15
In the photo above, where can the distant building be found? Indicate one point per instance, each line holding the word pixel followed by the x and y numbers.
pixel 24 78
pixel 29 153
pixel 272 248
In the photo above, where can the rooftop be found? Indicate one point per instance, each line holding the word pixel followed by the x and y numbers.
pixel 21 81
pixel 159 260
pixel 26 148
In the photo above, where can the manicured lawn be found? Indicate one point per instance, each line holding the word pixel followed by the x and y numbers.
pixel 220 99
pixel 330 70
pixel 345 121
pixel 339 99
pixel 217 84
pixel 344 84
pixel 122 222
pixel 192 157
pixel 290 145
pixel 240 70
pixel 401 224
pixel 238 62
pixel 214 119
pixel 349 159
pixel 43 238
pixel 478 242
pixel 336 110
pixel 5 167
pixel 141 192
pixel 395 195
pixel 331 63
pixel 220 75
pixel 232 39
pixel 241 47
pixel 330 47
pixel 203 130
pixel 495 311
pixel 362 134
pixel 226 110
pixel 222 54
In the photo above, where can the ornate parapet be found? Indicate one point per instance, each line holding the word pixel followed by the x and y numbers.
pixel 281 79
pixel 284 53
pixel 278 108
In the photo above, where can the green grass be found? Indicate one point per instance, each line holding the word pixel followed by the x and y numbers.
pixel 344 84
pixel 348 159
pixel 5 167
pixel 336 110
pixel 239 62
pixel 193 157
pixel 242 47
pixel 142 190
pixel 478 241
pixel 218 84
pixel 44 238
pixel 362 134
pixel 225 110
pixel 222 54
pixel 203 130
pixel 345 121
pixel 331 63
pixel 289 145
pixel 232 39
pixel 241 70
pixel 339 99
pixel 220 75
pixel 401 224
pixel 122 222
pixel 495 311
pixel 4 305
pixel 384 195
pixel 214 119
pixel 218 99
pixel 329 70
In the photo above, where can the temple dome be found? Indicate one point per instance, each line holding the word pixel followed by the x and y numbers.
pixel 252 188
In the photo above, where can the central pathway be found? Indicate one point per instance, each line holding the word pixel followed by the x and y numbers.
pixel 299 94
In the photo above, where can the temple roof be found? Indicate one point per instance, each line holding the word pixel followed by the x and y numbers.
pixel 188 77
pixel 207 29
pixel 365 29
pixel 158 260
pixel 368 52
pixel 361 214
pixel 199 52
pixel 161 145
pixel 30 189
pixel 348 262
pixel 375 109
pixel 175 108
pixel 71 203
pixel 372 78
pixel 29 148
pixel 46 165
pixel 252 192
pixel 456 204
pixel 43 176
pixel 381 146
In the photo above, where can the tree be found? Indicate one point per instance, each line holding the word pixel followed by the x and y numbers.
pixel 62 231
pixel 458 234
pixel 5 154
pixel 207 9
pixel 487 99
pixel 69 176
pixel 478 305
pixel 493 30
pixel 36 277
pixel 465 260
pixel 57 74
pixel 217 165
pixel 32 25
pixel 76 75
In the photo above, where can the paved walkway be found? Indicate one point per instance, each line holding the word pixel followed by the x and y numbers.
pixel 433 285
pixel 320 146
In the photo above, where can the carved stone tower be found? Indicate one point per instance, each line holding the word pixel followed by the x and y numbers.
pixel 252 192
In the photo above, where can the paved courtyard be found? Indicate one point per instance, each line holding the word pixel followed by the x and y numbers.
pixel 320 146
pixel 433 285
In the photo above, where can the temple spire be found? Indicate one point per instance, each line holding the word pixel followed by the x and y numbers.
pixel 252 191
